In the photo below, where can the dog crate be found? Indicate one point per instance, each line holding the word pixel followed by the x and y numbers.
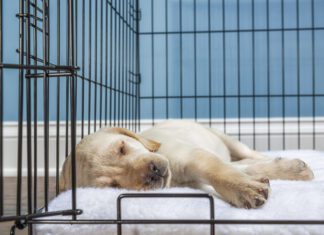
pixel 253 69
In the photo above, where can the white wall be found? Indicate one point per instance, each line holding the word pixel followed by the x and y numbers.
pixel 261 126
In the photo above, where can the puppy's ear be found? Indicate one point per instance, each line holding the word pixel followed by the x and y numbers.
pixel 151 145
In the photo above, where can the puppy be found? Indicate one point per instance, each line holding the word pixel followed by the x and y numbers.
pixel 179 153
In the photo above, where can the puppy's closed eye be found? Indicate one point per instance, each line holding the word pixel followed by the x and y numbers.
pixel 122 148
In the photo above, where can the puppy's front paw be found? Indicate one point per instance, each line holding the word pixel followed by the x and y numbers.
pixel 248 193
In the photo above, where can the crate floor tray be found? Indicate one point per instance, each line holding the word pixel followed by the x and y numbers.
pixel 288 200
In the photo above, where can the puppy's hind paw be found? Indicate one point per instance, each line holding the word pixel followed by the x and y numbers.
pixel 293 169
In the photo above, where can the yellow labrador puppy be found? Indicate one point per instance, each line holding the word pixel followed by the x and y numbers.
pixel 179 153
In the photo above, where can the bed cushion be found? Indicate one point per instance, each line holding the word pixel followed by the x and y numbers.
pixel 288 200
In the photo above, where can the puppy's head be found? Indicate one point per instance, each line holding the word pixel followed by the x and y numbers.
pixel 116 157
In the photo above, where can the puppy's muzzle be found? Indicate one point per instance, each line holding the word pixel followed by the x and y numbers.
pixel 159 174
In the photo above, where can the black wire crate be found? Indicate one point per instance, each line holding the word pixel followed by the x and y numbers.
pixel 251 68
pixel 67 68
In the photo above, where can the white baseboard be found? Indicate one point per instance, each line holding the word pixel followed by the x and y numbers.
pixel 246 127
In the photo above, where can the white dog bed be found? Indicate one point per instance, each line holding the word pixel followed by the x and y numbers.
pixel 288 200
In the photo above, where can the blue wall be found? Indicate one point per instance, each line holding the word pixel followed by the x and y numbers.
pixel 11 43
pixel 11 77
pixel 275 81
pixel 265 85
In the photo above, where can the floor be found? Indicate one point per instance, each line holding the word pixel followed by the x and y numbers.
pixel 10 184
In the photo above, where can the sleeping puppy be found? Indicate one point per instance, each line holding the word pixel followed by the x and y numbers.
pixel 179 153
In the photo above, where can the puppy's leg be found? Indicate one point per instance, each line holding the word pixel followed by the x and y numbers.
pixel 258 165
pixel 278 168
pixel 238 150
pixel 233 185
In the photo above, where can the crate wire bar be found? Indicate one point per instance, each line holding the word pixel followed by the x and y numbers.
pixel 229 93
pixel 117 98
pixel 97 52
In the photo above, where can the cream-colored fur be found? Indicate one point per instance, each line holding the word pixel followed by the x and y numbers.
pixel 116 157
pixel 187 154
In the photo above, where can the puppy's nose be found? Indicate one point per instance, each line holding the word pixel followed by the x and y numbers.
pixel 157 169
pixel 153 178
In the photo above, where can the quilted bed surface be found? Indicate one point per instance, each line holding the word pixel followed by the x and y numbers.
pixel 288 200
